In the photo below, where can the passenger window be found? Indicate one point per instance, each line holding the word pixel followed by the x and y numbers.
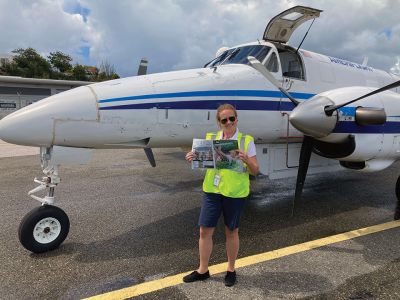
pixel 272 63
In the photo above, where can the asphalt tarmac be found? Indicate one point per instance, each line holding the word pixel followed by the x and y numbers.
pixel 131 224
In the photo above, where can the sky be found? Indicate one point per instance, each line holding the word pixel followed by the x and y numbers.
pixel 182 34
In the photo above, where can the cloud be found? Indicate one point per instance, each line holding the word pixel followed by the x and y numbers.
pixel 74 7
pixel 179 34
pixel 353 29
pixel 42 25
pixel 396 68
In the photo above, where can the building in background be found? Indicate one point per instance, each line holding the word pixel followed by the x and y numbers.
pixel 6 58
pixel 17 92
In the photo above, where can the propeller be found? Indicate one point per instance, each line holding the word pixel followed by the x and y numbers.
pixel 304 160
pixel 308 141
pixel 316 119
pixel 142 70
pixel 256 64
pixel 331 108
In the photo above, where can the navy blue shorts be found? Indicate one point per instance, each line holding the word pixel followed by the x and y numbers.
pixel 215 204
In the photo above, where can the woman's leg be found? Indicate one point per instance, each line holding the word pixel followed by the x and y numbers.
pixel 232 247
pixel 205 247
pixel 211 209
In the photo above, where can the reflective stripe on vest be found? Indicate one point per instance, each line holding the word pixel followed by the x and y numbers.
pixel 232 184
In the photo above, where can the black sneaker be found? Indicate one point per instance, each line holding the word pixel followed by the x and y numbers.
pixel 195 276
pixel 230 278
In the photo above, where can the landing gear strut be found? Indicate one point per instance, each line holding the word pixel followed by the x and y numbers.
pixel 46 227
pixel 397 210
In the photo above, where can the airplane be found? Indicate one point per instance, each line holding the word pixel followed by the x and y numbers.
pixel 294 102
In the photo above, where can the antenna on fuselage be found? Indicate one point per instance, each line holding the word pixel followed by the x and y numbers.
pixel 305 36
pixel 142 70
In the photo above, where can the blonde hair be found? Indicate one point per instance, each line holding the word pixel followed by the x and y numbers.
pixel 223 107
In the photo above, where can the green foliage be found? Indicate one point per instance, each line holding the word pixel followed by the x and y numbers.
pixel 28 63
pixel 79 73
pixel 106 72
pixel 60 61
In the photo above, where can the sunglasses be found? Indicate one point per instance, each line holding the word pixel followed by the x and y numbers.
pixel 231 119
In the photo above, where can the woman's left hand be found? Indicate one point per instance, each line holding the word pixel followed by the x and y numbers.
pixel 251 162
pixel 243 156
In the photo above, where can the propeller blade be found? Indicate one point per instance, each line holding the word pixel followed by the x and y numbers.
pixel 304 160
pixel 142 67
pixel 256 64
pixel 330 109
pixel 150 156
pixel 397 209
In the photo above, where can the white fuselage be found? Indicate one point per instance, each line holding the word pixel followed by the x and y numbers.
pixel 170 109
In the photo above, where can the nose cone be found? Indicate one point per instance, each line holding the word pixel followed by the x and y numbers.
pixel 309 117
pixel 34 125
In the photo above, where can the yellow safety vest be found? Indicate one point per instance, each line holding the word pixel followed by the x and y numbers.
pixel 232 184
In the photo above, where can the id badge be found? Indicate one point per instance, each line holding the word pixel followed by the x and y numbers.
pixel 217 179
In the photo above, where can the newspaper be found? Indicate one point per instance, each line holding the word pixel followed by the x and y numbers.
pixel 226 155
pixel 218 154
pixel 203 156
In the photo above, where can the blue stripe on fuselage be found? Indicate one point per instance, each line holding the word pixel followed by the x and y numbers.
pixel 216 93
pixel 353 127
pixel 243 104
pixel 209 105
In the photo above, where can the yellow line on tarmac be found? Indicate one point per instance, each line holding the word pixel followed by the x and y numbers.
pixel 155 285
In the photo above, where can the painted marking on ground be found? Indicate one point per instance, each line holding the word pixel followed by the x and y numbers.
pixel 155 285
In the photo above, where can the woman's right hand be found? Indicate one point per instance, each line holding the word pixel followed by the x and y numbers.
pixel 189 156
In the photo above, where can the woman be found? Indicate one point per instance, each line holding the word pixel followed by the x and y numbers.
pixel 225 192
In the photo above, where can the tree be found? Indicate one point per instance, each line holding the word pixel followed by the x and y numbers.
pixel 79 73
pixel 106 72
pixel 28 63
pixel 9 69
pixel 60 61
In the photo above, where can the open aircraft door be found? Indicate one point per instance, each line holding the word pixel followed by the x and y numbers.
pixel 292 68
pixel 282 26
pixel 281 159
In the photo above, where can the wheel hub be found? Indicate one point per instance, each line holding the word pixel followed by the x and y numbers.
pixel 47 230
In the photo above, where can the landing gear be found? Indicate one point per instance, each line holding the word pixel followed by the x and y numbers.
pixel 46 227
pixel 397 210
pixel 43 228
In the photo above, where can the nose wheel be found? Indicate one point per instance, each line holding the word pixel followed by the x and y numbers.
pixel 46 227
pixel 43 229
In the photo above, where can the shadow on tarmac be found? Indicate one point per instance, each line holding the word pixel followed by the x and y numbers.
pixel 378 284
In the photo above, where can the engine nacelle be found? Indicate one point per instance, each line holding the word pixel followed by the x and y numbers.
pixel 362 152
pixel 372 165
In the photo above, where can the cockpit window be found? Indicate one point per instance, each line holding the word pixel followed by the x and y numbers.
pixel 272 63
pixel 239 55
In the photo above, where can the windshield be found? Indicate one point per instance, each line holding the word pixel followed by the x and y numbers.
pixel 239 55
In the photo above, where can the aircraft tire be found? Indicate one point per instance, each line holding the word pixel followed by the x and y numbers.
pixel 43 229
